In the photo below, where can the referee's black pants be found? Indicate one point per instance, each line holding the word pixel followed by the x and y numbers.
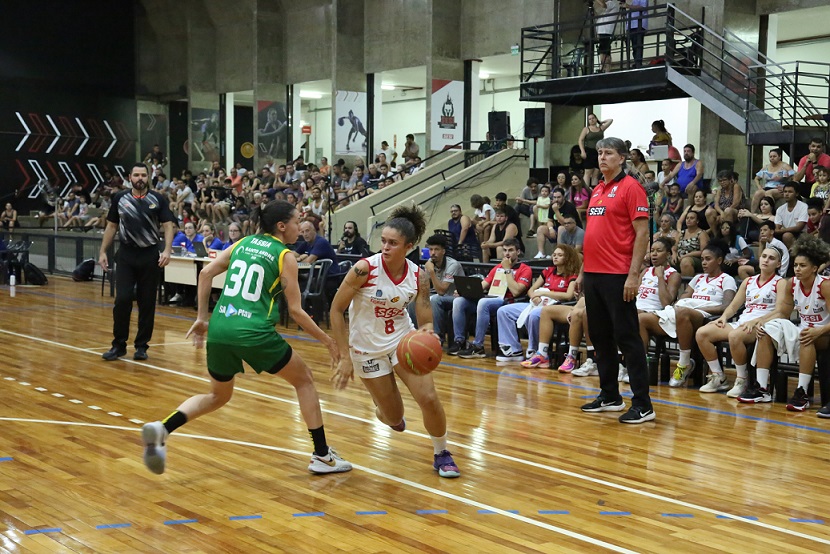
pixel 612 325
pixel 136 269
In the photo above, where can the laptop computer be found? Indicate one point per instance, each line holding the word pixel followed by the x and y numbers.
pixel 199 248
pixel 470 287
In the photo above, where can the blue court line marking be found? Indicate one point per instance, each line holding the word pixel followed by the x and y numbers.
pixel 429 512
pixel 6 459
pixel 653 400
pixel 492 512
pixel 554 512
pixel 114 526
pixel 179 521
pixel 803 520
pixel 750 518
pixel 238 518
pixel 372 513
pixel 615 513
pixel 310 514
pixel 39 531
pixel 678 515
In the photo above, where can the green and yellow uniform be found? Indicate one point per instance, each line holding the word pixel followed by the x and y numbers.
pixel 242 325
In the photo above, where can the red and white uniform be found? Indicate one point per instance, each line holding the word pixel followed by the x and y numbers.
pixel 378 318
pixel 810 305
pixel 760 298
pixel 712 289
pixel 648 297
pixel 555 282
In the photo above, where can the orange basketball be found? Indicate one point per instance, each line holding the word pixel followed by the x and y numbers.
pixel 419 352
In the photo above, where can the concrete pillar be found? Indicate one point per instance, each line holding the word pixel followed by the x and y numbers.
pixel 347 69
pixel 270 109
pixel 377 117
pixel 475 100
pixel 297 137
pixel 444 57
pixel 228 154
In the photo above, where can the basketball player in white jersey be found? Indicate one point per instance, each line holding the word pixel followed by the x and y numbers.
pixel 807 294
pixel 377 292
pixel 759 296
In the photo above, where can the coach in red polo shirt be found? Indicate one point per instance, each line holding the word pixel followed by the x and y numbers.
pixel 616 237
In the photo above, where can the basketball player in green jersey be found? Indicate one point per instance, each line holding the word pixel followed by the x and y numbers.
pixel 242 329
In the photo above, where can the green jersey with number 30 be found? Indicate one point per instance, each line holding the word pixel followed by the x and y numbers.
pixel 247 309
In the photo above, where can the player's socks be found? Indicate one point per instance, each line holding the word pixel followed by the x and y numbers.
pixel 174 421
pixel 439 444
pixel 318 436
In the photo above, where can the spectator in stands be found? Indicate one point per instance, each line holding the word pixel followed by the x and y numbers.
pixel 815 210
pixel 807 164
pixel 691 244
pixel 462 228
pixel 526 202
pixel 325 168
pixel 442 271
pixel 241 214
pixel 578 194
pixel 184 198
pixel 315 247
pixel 671 203
pixel 390 153
pixel 752 220
pixel 737 248
pixel 637 27
pixel 706 215
pixel 667 229
pixel 570 234
pixel 81 215
pixel 556 284
pixel 708 294
pixel 517 277
pixel 790 218
pixel 821 188
pixel 607 14
pixel 770 179
pixel 807 293
pixel 9 218
pixel 637 165
pixel 69 209
pixel 661 136
pixel 576 163
pixel 411 148
pixel 352 242
pixel 729 198
pixel 666 167
pixel 291 174
pixel 688 173
pixel 485 217
pixel 559 209
pixel 591 133
pixel 500 232
pixel 209 238
pixel 543 217
pixel 758 298
pixel 235 233
pixel 512 215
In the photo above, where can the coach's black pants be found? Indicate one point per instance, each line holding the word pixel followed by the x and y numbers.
pixel 136 269
pixel 613 324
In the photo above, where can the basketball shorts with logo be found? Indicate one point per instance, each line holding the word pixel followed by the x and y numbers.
pixel 375 364
pixel 270 354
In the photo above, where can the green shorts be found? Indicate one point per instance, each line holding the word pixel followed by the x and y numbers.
pixel 224 361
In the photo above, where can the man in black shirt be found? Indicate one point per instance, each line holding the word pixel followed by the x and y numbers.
pixel 135 215
pixel 352 242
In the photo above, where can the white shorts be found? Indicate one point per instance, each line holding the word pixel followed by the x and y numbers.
pixel 377 364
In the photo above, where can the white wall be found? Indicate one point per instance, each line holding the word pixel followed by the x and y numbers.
pixel 632 120
pixel 317 113
pixel 403 112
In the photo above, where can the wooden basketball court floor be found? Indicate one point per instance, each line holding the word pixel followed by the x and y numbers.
pixel 538 475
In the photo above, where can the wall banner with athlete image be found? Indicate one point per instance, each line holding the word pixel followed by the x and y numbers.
pixel 447 120
pixel 350 136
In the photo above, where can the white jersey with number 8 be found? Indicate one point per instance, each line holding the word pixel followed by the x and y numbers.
pixel 378 318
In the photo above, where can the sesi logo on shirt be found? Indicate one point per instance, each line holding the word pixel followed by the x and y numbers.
pixel 596 210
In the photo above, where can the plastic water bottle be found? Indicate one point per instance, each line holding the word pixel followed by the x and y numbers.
pixel 12 279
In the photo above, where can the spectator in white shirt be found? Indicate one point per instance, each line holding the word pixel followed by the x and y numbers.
pixel 791 217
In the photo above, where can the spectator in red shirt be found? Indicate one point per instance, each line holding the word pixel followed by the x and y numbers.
pixel 616 238
pixel 518 277
pixel 816 157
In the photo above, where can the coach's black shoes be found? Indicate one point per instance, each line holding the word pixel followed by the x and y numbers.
pixel 638 414
pixel 140 353
pixel 114 353
pixel 601 405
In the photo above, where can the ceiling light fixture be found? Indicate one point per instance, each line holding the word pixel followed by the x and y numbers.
pixel 483 75
pixel 311 95
pixel 387 87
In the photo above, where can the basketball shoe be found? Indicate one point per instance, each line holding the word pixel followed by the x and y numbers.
pixel 154 436
pixel 332 463
pixel 445 466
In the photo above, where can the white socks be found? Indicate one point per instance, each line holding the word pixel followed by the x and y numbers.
pixel 715 367
pixel 804 380
pixel 685 357
pixel 741 370
pixel 573 350
pixel 762 375
pixel 439 444
pixel 543 350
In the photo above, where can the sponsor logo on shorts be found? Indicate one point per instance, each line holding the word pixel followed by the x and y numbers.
pixel 596 210
pixel 370 366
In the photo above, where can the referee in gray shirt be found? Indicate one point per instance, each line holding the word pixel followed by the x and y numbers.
pixel 135 215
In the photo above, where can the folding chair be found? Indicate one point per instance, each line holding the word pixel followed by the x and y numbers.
pixel 313 298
